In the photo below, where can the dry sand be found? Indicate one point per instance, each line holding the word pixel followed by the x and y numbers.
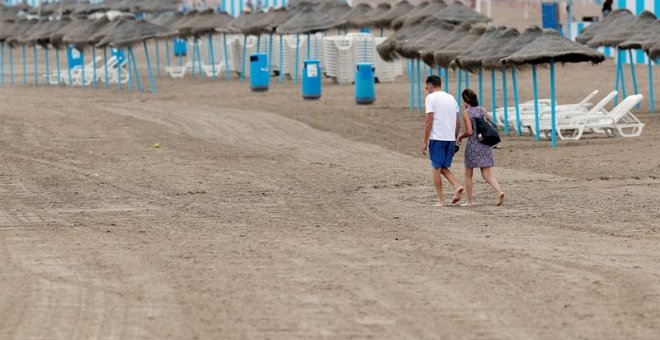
pixel 263 216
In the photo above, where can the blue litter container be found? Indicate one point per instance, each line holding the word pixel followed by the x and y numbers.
pixel 259 75
pixel 311 81
pixel 74 57
pixel 119 54
pixel 180 47
pixel 550 15
pixel 365 90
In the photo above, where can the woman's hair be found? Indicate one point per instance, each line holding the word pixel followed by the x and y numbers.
pixel 470 97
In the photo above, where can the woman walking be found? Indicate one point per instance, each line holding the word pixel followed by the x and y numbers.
pixel 477 155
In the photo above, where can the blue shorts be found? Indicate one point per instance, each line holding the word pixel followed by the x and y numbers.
pixel 441 153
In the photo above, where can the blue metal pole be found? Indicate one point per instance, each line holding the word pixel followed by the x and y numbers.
pixel 634 74
pixel 57 61
pixel 552 104
pixel 536 104
pixel 24 68
pixel 258 43
pixel 505 103
pixel 151 76
pixel 212 55
pixel 411 77
pixel 119 74
pixel 2 68
pixel 459 87
pixel 309 46
pixel 167 53
pixel 105 66
pixel 82 58
pixel 11 65
pixel 135 69
pixel 94 60
pixel 467 79
pixel 419 86
pixel 36 66
pixel 295 79
pixel 623 77
pixel 515 101
pixel 243 56
pixel 224 39
pixel 128 69
pixel 199 58
pixel 281 63
pixel 651 103
pixel 617 56
pixel 47 66
pixel 481 86
pixel 194 59
pixel 158 58
pixel 270 54
pixel 494 99
pixel 447 79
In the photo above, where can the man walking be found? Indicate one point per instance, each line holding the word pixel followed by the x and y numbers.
pixel 440 132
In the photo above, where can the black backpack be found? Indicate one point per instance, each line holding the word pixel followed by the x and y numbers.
pixel 487 134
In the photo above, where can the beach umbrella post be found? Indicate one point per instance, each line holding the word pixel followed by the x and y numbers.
pixel 138 82
pixel 419 86
pixel 11 65
pixel 152 84
pixel 24 66
pixel 36 70
pixel 119 67
pixel 167 53
pixel 47 65
pixel 211 55
pixel 82 60
pixel 623 77
pixel 536 104
pixel 459 85
pixel 281 75
pixel 270 53
pixel 515 100
pixel 552 105
pixel 411 77
pixel 105 66
pixel 194 60
pixel 94 68
pixel 632 71
pixel 199 58
pixel 129 70
pixel 481 86
pixel 493 98
pixel 157 58
pixel 2 63
pixel 57 62
pixel 295 79
pixel 309 46
pixel 446 79
pixel 617 56
pixel 224 40
pixel 650 66
pixel 243 58
pixel 505 104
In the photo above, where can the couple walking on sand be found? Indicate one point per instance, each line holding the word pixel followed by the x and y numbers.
pixel 442 135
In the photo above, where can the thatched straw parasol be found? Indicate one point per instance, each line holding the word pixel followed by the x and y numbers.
pixel 642 37
pixel 457 12
pixel 21 38
pixel 355 13
pixel 267 23
pixel 443 57
pixel 492 61
pixel 212 24
pixel 130 32
pixel 7 15
pixel 654 51
pixel 625 26
pixel 88 8
pixel 551 47
pixel 41 36
pixel 369 18
pixel 79 36
pixel 298 3
pixel 308 20
pixel 590 31
pixel 434 33
pixel 387 49
pixel 385 20
pixel 16 30
pixel 422 13
pixel 155 6
pixel 460 31
pixel 398 23
pixel 472 59
pixel 21 7
pixel 68 24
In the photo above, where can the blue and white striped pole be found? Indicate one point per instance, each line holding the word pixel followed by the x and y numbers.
pixel 82 59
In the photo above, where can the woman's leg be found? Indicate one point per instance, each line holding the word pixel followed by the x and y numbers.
pixel 468 185
pixel 488 176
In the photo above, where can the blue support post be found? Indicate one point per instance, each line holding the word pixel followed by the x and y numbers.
pixel 167 53
pixel 281 75
pixel 82 67
pixel 243 57
pixel 467 79
pixel 515 101
pixel 651 103
pixel 446 79
pixel 57 62
pixel 199 59
pixel 105 66
pixel 94 69
pixel 157 58
pixel 194 60
pixel 617 56
pixel 11 65
pixel 505 104
pixel 36 66
pixel 211 55
pixel 411 77
pixel 481 86
pixel 459 87
pixel 493 93
pixel 536 104
pixel 135 69
pixel 552 105
pixel 309 46
pixel 152 84
pixel 47 66
pixel 224 40
pixel 119 75
pixel 130 72
pixel 270 54
pixel 419 86
pixel 2 62
pixel 295 79
pixel 634 74
pixel 623 77
pixel 24 67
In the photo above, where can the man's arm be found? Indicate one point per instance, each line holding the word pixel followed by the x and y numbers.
pixel 428 124
pixel 458 126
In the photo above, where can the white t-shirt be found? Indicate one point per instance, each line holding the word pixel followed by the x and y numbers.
pixel 445 112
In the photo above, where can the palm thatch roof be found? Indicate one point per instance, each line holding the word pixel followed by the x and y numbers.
pixel 489 42
pixel 457 12
pixel 387 49
pixel 590 31
pixel 7 14
pixel 333 10
pixel 436 33
pixel 308 20
pixel 130 32
pixel 40 36
pixel 385 20
pixel 492 61
pixel 368 19
pixel 550 47
pixel 444 56
pixel 212 24
pixel 625 26
pixel 298 3
pixel 15 30
pixel 155 6
pixel 355 13
pixel 654 52
pixel 67 24
pixel 433 7
pixel 21 37
pixel 79 35
pixel 398 23
pixel 426 53
pixel 642 37
pixel 266 23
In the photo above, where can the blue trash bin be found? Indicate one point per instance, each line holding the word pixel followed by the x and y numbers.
pixel 311 81
pixel 180 47
pixel 259 76
pixel 550 15
pixel 365 90
pixel 73 57
pixel 119 54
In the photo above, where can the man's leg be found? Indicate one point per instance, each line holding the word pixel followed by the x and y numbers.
pixel 457 186
pixel 437 181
